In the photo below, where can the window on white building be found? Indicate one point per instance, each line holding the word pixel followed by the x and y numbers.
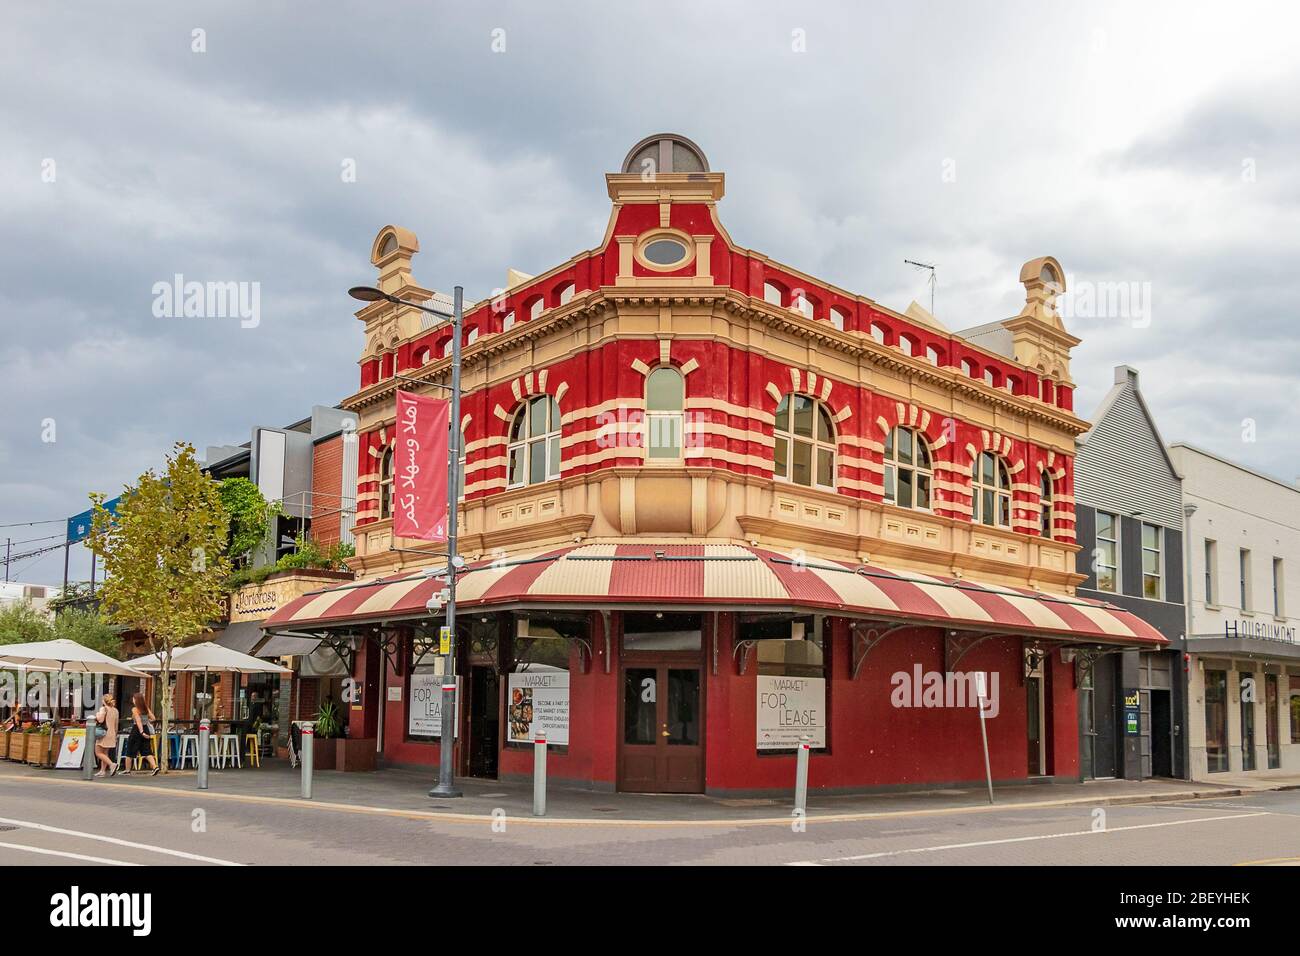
pixel 1106 557
pixel 1153 565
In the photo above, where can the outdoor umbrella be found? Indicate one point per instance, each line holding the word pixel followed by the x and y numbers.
pixel 64 656
pixel 207 657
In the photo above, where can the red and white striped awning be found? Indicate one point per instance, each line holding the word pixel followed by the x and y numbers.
pixel 724 577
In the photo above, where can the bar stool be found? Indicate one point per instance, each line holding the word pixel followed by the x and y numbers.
pixel 121 745
pixel 230 750
pixel 189 750
pixel 174 749
pixel 254 750
pixel 216 751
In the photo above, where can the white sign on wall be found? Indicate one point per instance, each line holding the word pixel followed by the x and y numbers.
pixel 539 701
pixel 425 718
pixel 790 708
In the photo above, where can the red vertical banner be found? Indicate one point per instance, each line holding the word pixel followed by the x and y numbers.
pixel 420 467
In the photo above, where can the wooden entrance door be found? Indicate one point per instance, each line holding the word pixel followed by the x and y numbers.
pixel 661 737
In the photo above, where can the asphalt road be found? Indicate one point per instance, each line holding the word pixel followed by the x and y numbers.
pixel 54 823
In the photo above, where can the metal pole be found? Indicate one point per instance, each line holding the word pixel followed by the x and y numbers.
pixel 9 546
pixel 92 573
pixel 801 776
pixel 539 774
pixel 88 760
pixel 984 735
pixel 1185 711
pixel 447 745
pixel 308 735
pixel 205 733
pixel 67 552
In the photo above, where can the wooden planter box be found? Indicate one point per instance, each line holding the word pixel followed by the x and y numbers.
pixel 17 745
pixel 354 753
pixel 323 751
pixel 4 745
pixel 41 751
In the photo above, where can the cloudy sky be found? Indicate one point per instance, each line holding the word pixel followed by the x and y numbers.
pixel 1154 148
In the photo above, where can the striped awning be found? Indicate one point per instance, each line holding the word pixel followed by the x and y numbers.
pixel 724 577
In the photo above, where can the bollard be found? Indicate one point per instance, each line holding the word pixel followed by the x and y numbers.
pixel 539 774
pixel 88 760
pixel 308 735
pixel 801 776
pixel 205 732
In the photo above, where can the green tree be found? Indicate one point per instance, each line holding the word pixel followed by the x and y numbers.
pixel 164 558
pixel 90 629
pixel 21 623
pixel 249 515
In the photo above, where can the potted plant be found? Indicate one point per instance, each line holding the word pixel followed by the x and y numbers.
pixel 328 726
pixel 41 749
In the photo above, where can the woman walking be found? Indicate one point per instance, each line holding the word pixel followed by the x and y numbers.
pixel 139 746
pixel 106 736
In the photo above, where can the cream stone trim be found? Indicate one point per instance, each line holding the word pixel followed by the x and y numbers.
pixel 541 379
pixel 865 464
pixel 689 367
pixel 371 476
pixel 721 454
pixel 856 441
pixel 860 485
pixel 665 351
pixel 488 442
pixel 591 411
pixel 561 390
pixel 795 379
pixel 774 392
pixel 528 384
pixel 595 458
pixel 843 414
pixel 640 367
pixel 487 484
pixel 1016 468
pixel 501 413
pixel 516 388
pixel 727 408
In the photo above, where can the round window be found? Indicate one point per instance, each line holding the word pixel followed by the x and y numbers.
pixel 664 252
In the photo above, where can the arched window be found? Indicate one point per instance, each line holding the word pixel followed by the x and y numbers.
pixel 968 367
pixel 839 318
pixel 472 337
pixel 991 491
pixel 386 484
pixel 447 348
pixel 989 378
pixel 1011 384
pixel 801 304
pixel 805 442
pixel 566 293
pixel 508 322
pixel 665 399
pixel 771 293
pixel 1045 505
pixel 933 355
pixel 906 345
pixel 537 308
pixel 909 469
pixel 422 357
pixel 878 332
pixel 534 448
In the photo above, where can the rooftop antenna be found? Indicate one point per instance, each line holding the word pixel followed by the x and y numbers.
pixel 933 281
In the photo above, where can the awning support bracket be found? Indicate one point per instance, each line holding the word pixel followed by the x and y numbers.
pixel 1086 657
pixel 604 626
pixel 957 644
pixel 866 638
pixel 584 645
pixel 714 635
pixel 742 652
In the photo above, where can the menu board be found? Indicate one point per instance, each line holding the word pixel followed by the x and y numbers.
pixel 73 749
pixel 790 708
pixel 425 717
pixel 538 701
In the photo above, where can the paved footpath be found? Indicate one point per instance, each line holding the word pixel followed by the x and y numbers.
pixel 256 817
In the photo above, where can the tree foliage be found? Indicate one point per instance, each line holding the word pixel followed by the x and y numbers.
pixel 164 557
pixel 249 515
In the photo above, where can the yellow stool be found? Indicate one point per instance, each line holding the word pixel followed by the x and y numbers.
pixel 254 750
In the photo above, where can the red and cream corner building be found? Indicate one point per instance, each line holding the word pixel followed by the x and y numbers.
pixel 713 506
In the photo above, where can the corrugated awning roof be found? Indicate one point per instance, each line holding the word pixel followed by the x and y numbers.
pixel 725 577
pixel 240 636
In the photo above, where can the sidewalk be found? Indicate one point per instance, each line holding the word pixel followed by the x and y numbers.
pixel 405 792
pixel 1257 780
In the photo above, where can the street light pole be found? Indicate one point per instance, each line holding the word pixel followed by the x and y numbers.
pixel 447 745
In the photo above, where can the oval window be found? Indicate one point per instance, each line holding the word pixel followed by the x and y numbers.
pixel 664 252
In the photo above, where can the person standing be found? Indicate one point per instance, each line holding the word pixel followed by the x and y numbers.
pixel 106 736
pixel 139 745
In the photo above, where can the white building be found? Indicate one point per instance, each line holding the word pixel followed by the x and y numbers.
pixel 1244 642
pixel 38 595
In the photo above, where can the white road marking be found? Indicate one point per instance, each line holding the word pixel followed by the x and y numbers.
pixel 71 856
pixel 1023 839
pixel 149 847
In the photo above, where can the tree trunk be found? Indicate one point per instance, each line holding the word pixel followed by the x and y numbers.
pixel 163 745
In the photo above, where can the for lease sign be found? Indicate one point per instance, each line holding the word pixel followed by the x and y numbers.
pixel 790 708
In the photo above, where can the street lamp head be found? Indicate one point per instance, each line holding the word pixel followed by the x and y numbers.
pixel 367 293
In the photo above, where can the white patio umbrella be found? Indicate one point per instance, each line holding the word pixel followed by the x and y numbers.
pixel 207 657
pixel 64 656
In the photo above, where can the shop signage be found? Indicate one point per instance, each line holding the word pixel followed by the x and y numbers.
pixel 790 708
pixel 444 640
pixel 1260 630
pixel 420 467
pixel 72 751
pixel 426 706
pixel 1132 712
pixel 539 701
